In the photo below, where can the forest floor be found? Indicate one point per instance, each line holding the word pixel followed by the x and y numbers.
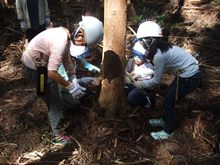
pixel 25 134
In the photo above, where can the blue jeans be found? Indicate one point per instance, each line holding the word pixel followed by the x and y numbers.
pixel 185 86
pixel 137 97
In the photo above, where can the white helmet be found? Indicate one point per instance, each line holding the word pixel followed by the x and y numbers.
pixel 149 29
pixel 139 48
pixel 93 29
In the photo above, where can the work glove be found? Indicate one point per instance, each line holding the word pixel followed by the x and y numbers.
pixel 23 25
pixel 127 80
pixel 90 67
pixel 74 80
pixel 94 69
pixel 135 77
pixel 75 91
pixel 86 81
pixel 131 77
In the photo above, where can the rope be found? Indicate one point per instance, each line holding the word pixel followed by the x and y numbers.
pixel 177 85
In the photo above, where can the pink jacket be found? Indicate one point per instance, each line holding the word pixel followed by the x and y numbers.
pixel 53 46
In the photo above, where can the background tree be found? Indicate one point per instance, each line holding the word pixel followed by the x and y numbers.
pixel 93 8
pixel 112 94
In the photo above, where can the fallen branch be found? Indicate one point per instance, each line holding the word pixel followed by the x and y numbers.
pixel 213 81
pixel 129 27
pixel 210 67
pixel 15 31
pixel 131 163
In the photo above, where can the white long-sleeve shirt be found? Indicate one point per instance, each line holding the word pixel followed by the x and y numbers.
pixel 53 45
pixel 175 59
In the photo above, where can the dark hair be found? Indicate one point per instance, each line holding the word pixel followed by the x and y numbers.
pixel 163 45
pixel 159 44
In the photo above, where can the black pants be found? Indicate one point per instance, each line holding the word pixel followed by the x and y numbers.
pixel 185 86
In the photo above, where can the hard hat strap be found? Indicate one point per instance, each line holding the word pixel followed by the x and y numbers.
pixel 76 32
pixel 148 42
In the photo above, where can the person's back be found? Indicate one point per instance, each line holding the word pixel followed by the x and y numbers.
pixel 177 59
pixel 51 42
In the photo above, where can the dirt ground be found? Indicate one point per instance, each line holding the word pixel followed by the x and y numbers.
pixel 24 131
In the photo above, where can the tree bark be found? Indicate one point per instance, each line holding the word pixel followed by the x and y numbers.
pixel 112 92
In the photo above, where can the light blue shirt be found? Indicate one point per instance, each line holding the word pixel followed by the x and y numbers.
pixel 175 59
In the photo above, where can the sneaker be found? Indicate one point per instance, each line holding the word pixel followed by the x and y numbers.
pixel 157 122
pixel 61 140
pixel 161 135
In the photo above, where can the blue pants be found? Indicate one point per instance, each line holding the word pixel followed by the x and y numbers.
pixel 185 86
pixel 138 97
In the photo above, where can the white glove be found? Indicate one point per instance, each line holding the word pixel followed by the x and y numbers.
pixel 94 68
pixel 135 77
pixel 130 77
pixel 23 26
pixel 74 80
pixel 139 84
pixel 75 91
pixel 72 77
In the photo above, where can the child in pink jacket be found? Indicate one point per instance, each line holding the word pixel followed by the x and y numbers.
pixel 47 51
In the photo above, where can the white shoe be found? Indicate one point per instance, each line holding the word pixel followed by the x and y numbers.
pixel 161 135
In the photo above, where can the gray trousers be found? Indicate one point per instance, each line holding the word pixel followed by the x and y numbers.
pixel 52 99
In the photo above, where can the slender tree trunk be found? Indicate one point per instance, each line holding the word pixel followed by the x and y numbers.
pixel 112 92
pixel 131 13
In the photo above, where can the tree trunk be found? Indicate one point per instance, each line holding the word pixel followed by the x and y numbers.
pixel 112 92
pixel 131 14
